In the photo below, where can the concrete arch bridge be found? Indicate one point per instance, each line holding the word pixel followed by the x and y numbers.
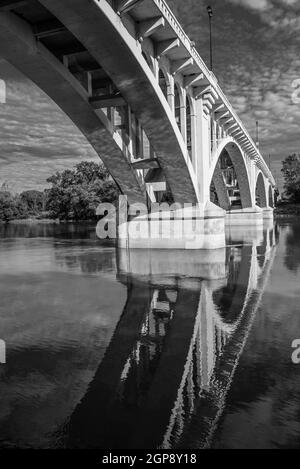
pixel 127 75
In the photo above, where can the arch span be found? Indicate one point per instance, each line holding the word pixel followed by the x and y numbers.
pixel 134 80
pixel 112 43
pixel 19 47
pixel 236 156
pixel 260 191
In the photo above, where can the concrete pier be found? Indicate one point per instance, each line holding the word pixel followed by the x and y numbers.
pixel 252 216
pixel 189 228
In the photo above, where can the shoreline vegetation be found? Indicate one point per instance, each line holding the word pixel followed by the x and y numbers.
pixel 283 210
pixel 74 195
pixel 286 209
pixel 28 221
pixel 43 221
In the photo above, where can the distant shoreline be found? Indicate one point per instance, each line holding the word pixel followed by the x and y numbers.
pixel 281 211
pixel 28 221
pixel 287 210
pixel 42 221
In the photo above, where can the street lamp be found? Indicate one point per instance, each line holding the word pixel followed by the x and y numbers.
pixel 210 15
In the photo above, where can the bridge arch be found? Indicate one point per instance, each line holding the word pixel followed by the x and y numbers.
pixel 260 191
pixel 239 171
pixel 112 53
pixel 133 78
pixel 21 49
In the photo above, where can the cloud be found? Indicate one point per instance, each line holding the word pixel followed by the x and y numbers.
pixel 256 49
pixel 256 60
pixel 277 13
pixel 36 138
pixel 260 5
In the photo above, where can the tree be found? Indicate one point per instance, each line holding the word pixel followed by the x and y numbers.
pixel 33 200
pixel 21 210
pixel 11 207
pixel 291 173
pixel 75 194
pixel 7 207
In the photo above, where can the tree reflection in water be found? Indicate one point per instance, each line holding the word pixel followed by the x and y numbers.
pixel 292 258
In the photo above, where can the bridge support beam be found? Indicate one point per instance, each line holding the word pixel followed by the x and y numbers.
pixel 187 228
pixel 202 152
pixel 252 216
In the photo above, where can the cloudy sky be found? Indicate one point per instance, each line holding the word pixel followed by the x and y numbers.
pixel 256 44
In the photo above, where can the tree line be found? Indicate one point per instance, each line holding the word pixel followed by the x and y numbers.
pixel 74 194
pixel 291 174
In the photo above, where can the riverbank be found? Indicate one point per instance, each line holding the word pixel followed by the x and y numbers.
pixel 42 221
pixel 282 210
pixel 287 210
pixel 28 221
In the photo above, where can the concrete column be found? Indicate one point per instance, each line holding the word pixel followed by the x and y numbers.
pixel 183 114
pixel 194 137
pixel 217 132
pixel 202 151
pixel 252 176
pixel 214 133
pixel 156 69
pixel 171 93
pixel 268 211
pixel 140 141
pixel 130 131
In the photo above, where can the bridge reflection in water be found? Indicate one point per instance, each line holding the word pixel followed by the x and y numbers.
pixel 166 373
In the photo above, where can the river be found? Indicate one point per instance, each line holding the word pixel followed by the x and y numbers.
pixel 105 348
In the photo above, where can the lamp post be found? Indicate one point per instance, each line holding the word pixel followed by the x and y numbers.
pixel 257 134
pixel 210 15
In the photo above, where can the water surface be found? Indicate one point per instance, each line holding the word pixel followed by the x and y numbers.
pixel 162 349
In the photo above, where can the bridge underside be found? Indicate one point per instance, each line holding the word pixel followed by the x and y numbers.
pixel 129 78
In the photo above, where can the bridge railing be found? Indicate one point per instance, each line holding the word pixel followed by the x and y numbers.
pixel 177 28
